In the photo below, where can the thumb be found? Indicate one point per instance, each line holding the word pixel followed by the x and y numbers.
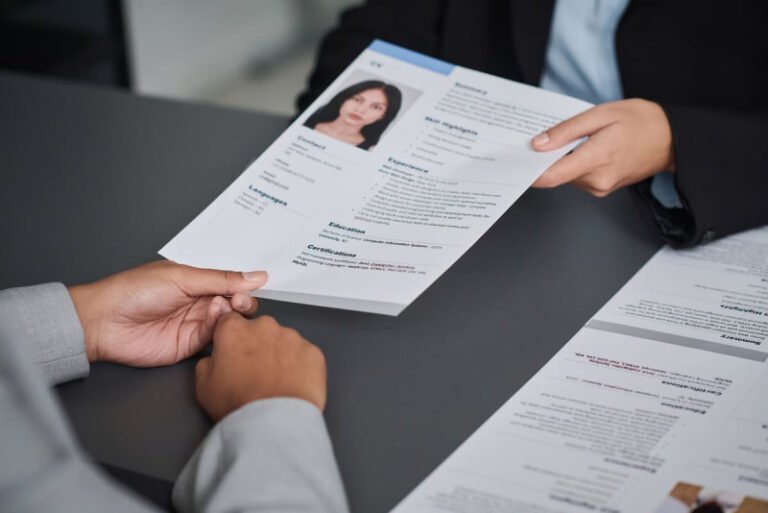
pixel 211 282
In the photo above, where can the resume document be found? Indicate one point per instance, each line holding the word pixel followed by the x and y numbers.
pixel 658 405
pixel 381 185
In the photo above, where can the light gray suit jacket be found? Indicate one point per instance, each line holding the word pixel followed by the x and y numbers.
pixel 271 455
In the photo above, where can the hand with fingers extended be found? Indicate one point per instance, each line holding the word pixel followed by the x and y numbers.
pixel 258 359
pixel 159 313
pixel 627 142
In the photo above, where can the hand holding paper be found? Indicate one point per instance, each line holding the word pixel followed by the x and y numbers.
pixel 628 141
pixel 159 313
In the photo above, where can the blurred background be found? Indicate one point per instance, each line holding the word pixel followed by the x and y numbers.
pixel 251 54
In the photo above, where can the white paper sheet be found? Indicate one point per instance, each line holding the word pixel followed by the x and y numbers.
pixel 337 225
pixel 659 404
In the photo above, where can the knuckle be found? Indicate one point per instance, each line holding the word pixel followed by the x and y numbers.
pixel 227 322
pixel 267 322
pixel 603 185
pixel 292 333
pixel 599 191
pixel 231 277
pixel 316 354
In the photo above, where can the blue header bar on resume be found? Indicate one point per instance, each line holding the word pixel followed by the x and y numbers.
pixel 415 58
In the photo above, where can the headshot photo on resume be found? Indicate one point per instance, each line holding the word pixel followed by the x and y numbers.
pixel 358 114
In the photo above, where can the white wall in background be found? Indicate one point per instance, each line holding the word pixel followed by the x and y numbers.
pixel 180 48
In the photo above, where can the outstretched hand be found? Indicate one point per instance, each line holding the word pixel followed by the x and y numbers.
pixel 628 141
pixel 159 313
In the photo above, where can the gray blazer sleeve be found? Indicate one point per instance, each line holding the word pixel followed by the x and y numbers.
pixel 270 455
pixel 44 319
pixel 42 469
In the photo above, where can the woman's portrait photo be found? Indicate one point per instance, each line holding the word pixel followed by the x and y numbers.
pixel 359 113
pixel 690 498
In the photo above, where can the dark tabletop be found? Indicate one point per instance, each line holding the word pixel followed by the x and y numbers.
pixel 93 181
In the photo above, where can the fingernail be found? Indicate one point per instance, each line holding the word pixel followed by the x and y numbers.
pixel 216 309
pixel 240 302
pixel 256 276
pixel 541 139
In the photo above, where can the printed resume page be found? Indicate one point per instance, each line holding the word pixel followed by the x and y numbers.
pixel 657 405
pixel 382 184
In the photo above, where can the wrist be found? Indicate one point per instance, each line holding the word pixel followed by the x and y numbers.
pixel 668 143
pixel 84 299
pixel 265 409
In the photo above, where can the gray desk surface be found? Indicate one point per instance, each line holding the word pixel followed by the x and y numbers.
pixel 94 181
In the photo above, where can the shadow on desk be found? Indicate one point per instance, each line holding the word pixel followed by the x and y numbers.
pixel 156 491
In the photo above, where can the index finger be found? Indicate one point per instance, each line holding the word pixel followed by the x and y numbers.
pixel 572 129
pixel 572 166
pixel 244 303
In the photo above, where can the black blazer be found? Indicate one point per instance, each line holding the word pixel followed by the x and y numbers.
pixel 704 61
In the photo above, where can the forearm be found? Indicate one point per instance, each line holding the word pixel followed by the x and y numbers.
pixel 268 453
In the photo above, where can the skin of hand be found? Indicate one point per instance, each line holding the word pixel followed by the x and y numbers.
pixel 159 313
pixel 256 359
pixel 628 141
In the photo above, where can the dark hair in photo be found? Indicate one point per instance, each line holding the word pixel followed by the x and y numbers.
pixel 371 133
pixel 709 507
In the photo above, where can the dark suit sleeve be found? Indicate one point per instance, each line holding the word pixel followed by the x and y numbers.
pixel 415 25
pixel 721 175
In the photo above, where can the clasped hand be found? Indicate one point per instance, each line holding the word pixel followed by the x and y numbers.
pixel 162 312
pixel 627 142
